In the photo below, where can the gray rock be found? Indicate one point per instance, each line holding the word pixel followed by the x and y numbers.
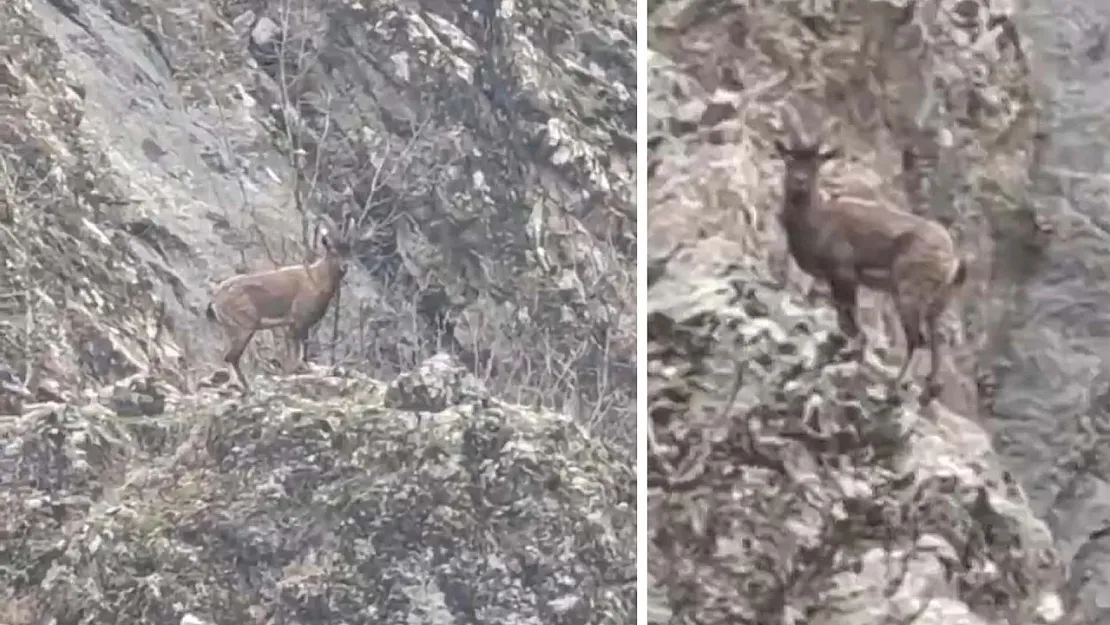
pixel 265 31
pixel 438 383
pixel 137 396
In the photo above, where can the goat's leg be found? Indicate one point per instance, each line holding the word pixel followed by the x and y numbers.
pixel 239 341
pixel 845 301
pixel 288 363
pixel 297 351
pixel 932 385
pixel 911 325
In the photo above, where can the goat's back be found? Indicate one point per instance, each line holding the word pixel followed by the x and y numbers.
pixel 262 299
pixel 878 238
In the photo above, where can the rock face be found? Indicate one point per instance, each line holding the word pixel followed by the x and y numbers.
pixel 312 502
pixel 787 480
pixel 151 149
pixel 789 483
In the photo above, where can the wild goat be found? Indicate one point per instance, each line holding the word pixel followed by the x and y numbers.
pixel 295 297
pixel 850 240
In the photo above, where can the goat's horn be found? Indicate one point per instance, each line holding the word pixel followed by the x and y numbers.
pixel 791 122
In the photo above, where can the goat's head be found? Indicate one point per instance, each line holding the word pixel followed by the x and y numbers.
pixel 338 246
pixel 803 160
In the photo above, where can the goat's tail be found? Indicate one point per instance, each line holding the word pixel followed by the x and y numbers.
pixel 210 312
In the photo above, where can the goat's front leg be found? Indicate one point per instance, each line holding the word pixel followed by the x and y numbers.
pixel 295 351
pixel 845 301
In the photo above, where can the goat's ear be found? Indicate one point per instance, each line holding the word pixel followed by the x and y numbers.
pixel 829 154
pixel 781 148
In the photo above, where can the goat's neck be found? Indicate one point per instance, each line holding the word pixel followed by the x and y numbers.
pixel 325 270
pixel 798 201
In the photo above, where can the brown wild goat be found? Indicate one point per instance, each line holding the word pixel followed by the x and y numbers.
pixel 295 297
pixel 850 241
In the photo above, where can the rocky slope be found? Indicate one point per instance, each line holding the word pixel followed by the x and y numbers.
pixel 323 498
pixel 150 149
pixel 789 483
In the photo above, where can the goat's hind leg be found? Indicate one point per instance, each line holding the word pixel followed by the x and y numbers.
pixel 932 384
pixel 910 316
pixel 239 343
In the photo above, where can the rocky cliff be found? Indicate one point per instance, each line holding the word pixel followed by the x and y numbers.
pixel 151 149
pixel 788 482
